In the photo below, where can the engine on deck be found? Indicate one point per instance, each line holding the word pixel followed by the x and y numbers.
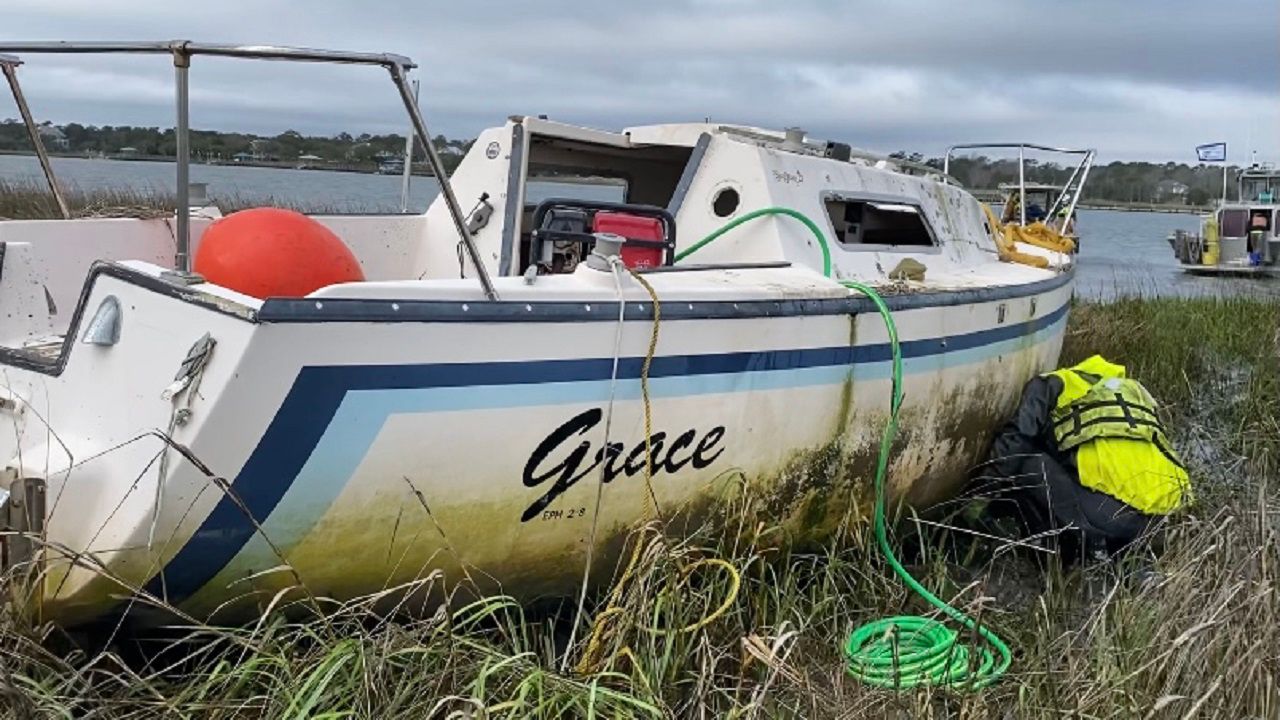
pixel 564 234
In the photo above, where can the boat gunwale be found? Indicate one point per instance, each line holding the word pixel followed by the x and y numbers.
pixel 390 310
pixel 20 358
pixel 360 310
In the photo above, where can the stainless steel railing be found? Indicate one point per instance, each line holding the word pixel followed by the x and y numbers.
pixel 1070 192
pixel 182 51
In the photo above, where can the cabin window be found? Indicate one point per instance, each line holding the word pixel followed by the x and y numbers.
pixel 1258 190
pixel 725 202
pixel 859 222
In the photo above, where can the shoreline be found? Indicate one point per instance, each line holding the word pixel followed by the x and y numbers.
pixel 981 194
pixel 277 165
pixel 1147 207
pixel 1109 205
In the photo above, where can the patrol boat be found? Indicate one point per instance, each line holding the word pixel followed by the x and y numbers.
pixel 1239 237
pixel 486 400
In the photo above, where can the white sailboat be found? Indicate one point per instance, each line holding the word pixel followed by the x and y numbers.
pixel 460 406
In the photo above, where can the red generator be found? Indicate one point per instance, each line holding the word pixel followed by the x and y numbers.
pixel 564 231
pixel 646 243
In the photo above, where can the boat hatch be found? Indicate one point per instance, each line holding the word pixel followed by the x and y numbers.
pixel 597 168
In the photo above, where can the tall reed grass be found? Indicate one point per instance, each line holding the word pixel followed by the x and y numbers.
pixel 22 200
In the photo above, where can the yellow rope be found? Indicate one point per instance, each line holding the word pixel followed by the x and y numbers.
pixel 1005 237
pixel 735 581
pixel 1041 235
pixel 644 388
pixel 591 660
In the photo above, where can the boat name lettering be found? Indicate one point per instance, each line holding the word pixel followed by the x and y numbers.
pixel 784 176
pixel 550 462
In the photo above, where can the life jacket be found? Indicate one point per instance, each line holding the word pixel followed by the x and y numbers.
pixel 1122 449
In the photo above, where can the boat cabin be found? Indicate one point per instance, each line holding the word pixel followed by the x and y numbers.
pixel 1260 183
pixel 1241 236
pixel 1247 228
pixel 559 183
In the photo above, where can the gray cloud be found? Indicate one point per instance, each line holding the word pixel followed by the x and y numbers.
pixel 1136 80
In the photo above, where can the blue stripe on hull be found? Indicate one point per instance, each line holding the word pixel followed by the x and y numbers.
pixel 294 443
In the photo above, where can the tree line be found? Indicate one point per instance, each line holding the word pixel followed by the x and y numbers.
pixel 1125 182
pixel 212 145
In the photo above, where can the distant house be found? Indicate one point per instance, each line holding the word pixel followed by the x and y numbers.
pixel 128 151
pixel 1171 191
pixel 53 137
pixel 260 149
pixel 243 157
pixel 357 151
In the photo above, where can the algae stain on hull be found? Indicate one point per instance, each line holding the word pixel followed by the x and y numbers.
pixel 809 494
pixel 809 497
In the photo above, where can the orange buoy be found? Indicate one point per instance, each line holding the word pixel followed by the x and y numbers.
pixel 272 252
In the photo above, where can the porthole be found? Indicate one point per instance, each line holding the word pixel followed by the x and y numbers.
pixel 725 202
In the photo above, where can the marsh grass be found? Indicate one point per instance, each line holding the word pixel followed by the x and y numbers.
pixel 30 201
pixel 1198 637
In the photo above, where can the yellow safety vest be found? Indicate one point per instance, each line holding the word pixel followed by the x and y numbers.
pixel 1121 447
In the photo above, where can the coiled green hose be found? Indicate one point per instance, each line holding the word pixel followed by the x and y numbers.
pixel 908 650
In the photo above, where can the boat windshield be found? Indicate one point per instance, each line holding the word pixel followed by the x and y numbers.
pixel 1260 188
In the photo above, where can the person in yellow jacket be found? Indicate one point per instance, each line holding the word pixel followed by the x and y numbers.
pixel 1087 455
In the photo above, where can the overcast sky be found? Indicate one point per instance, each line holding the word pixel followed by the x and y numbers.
pixel 1135 79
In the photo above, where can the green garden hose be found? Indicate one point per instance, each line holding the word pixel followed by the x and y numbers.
pixel 763 212
pixel 904 651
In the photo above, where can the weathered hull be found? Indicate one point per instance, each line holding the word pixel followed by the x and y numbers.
pixel 365 447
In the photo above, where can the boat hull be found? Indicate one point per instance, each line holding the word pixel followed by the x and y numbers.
pixel 351 447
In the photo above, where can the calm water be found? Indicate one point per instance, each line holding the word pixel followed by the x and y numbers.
pixel 1126 253
pixel 336 191
pixel 1122 252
